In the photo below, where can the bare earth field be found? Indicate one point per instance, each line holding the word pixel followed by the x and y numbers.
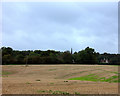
pixel 55 79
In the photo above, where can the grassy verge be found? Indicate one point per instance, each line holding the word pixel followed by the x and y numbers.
pixel 55 92
pixel 52 92
pixel 52 69
pixel 6 73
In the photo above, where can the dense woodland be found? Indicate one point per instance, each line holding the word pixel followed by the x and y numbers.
pixel 86 56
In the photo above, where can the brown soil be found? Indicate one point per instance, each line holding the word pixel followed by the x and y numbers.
pixel 31 79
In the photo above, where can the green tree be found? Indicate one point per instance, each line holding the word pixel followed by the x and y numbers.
pixel 6 50
pixel 87 56
pixel 67 57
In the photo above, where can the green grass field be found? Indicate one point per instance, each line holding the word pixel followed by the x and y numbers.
pixel 96 78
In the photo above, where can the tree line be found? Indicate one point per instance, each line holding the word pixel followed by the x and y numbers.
pixel 86 56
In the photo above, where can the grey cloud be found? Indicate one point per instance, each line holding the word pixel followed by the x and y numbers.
pixel 60 26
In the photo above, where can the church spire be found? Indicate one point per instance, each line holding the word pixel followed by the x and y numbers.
pixel 71 50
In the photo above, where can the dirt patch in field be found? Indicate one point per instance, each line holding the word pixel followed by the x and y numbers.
pixel 38 79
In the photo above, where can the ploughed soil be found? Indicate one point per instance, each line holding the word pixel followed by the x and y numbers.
pixel 39 79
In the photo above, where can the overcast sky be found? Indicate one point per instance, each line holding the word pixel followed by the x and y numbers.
pixel 60 26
